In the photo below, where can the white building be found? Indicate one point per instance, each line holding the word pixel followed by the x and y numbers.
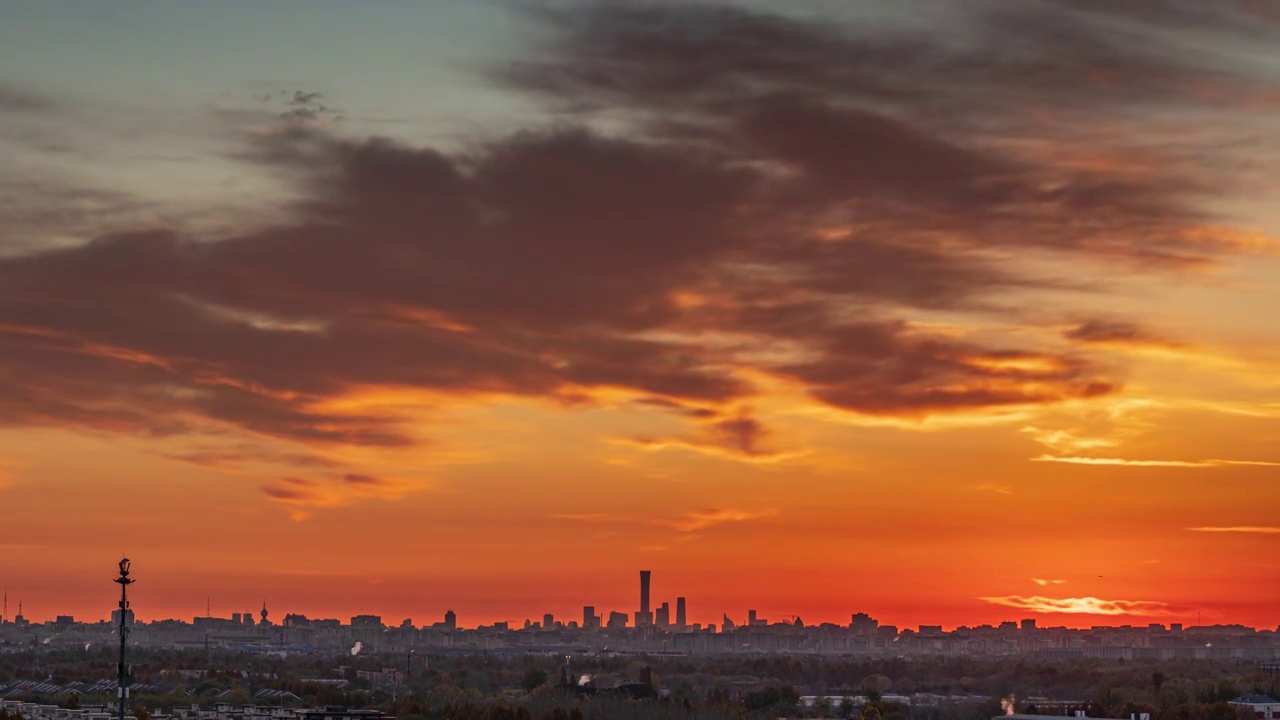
pixel 1264 708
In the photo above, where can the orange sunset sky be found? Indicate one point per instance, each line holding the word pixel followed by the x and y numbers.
pixel 948 312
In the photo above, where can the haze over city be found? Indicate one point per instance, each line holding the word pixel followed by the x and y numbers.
pixel 948 312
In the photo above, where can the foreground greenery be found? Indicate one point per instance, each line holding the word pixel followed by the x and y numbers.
pixel 503 687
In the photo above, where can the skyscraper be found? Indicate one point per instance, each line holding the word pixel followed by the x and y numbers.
pixel 450 620
pixel 681 620
pixel 663 617
pixel 644 617
pixel 590 621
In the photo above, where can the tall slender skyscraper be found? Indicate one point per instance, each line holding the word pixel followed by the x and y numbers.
pixel 644 617
pixel 680 617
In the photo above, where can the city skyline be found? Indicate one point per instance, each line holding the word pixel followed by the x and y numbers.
pixel 676 606
pixel 953 313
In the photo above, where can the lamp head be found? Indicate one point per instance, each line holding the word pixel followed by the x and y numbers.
pixel 124 567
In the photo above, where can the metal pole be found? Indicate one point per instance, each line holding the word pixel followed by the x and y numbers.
pixel 123 690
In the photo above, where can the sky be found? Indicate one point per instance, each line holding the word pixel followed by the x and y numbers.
pixel 952 313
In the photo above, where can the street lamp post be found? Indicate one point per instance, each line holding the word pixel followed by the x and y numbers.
pixel 125 582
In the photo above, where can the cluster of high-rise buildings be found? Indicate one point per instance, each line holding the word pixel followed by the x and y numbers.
pixel 650 629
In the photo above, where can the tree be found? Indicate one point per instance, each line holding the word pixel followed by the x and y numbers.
pixel 141 713
pixel 534 679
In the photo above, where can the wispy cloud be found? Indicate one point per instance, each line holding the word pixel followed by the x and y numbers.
pixel 1243 529
pixel 590 517
pixel 1042 582
pixel 703 519
pixel 992 488
pixel 301 495
pixel 1080 606
pixel 1076 460
pixel 1067 441
pixel 690 522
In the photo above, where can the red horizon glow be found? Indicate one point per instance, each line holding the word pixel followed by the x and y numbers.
pixel 918 314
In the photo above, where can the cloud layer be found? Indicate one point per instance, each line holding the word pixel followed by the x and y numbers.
pixel 785 197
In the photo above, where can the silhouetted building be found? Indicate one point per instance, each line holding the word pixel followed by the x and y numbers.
pixel 1029 624
pixel 681 619
pixel 863 624
pixel 662 618
pixel 548 621
pixel 590 621
pixel 450 620
pixel 644 617
pixel 617 620
pixel 367 621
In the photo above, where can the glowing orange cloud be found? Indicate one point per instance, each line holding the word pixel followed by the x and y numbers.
pixel 1152 463
pixel 1080 606
pixel 1254 529
pixel 703 519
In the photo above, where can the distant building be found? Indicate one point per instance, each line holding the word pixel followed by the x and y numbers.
pixel 590 620
pixel 1029 624
pixel 617 620
pixel 1263 706
pixel 863 624
pixel 295 620
pixel 367 621
pixel 662 618
pixel 644 617
pixel 339 713
pixel 682 621
pixel 450 620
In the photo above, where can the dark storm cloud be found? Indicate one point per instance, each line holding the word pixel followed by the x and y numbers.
pixel 788 191
pixel 519 275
